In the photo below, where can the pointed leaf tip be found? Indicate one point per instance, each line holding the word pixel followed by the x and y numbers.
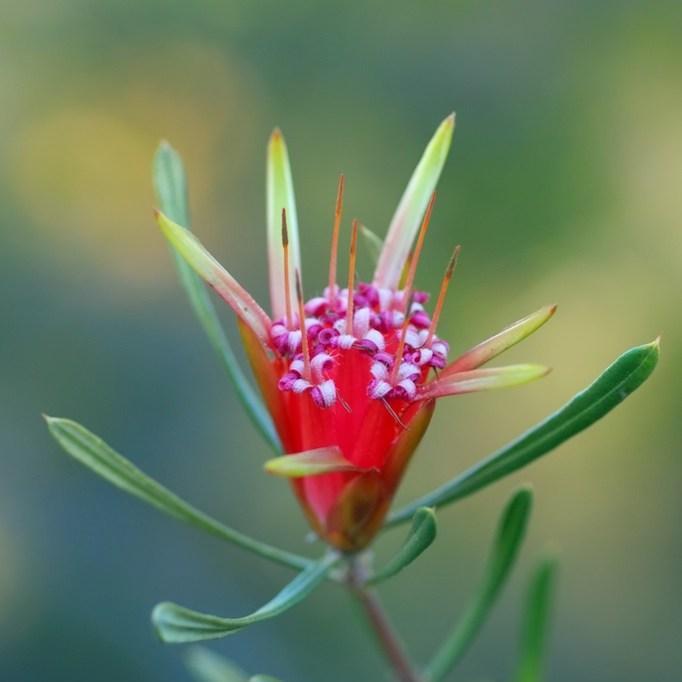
pixel 170 183
pixel 627 373
pixel 421 535
pixel 176 624
pixel 215 275
pixel 407 218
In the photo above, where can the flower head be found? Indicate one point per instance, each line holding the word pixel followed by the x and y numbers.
pixel 351 375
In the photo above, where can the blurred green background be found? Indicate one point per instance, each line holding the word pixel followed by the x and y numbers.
pixel 563 186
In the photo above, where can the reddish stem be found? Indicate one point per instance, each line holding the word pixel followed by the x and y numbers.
pixel 383 629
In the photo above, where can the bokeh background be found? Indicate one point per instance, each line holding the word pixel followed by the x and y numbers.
pixel 563 186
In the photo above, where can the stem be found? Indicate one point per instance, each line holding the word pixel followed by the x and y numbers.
pixel 383 629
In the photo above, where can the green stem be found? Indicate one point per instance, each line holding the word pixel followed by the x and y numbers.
pixel 377 618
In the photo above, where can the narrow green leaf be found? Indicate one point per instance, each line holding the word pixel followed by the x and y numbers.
pixel 510 534
pixel 373 243
pixel 171 189
pixel 177 624
pixel 310 463
pixel 536 621
pixel 422 534
pixel 95 454
pixel 207 666
pixel 624 376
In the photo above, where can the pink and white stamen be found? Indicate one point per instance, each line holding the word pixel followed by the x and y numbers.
pixel 351 377
pixel 378 322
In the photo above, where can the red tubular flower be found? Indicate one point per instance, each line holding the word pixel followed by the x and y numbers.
pixel 351 377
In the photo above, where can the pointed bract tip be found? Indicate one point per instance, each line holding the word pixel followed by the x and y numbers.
pixel 446 127
pixel 656 343
pixel 276 145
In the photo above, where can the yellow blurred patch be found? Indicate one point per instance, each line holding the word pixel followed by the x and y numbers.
pixel 82 168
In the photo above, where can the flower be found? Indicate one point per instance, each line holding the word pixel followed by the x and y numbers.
pixel 351 376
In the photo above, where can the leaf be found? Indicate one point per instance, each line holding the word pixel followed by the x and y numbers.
pixel 510 534
pixel 171 190
pixel 310 463
pixel 207 666
pixel 422 534
pixel 170 183
pixel 217 277
pixel 263 678
pixel 373 243
pixel 619 380
pixel 177 624
pixel 482 380
pixel 500 342
pixel 95 454
pixel 280 195
pixel 536 621
pixel 407 218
